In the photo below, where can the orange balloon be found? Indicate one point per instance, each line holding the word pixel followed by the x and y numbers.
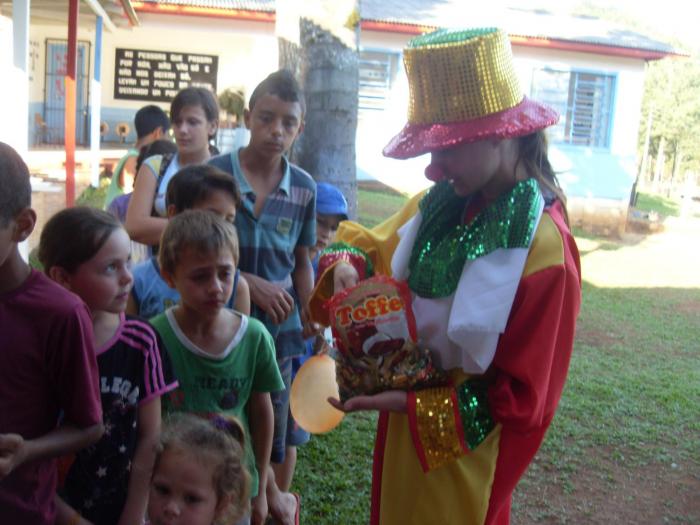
pixel 312 386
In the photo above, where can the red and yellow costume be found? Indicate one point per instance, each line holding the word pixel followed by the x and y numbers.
pixel 459 452
pixel 495 291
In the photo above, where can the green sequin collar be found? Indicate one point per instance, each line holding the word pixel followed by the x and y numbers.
pixel 443 243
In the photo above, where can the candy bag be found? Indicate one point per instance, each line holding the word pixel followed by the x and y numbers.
pixel 375 333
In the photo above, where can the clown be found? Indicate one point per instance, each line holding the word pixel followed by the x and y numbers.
pixel 494 275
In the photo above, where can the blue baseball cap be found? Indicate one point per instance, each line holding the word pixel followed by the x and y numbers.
pixel 330 201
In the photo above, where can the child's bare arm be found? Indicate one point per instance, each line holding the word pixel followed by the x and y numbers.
pixel 15 450
pixel 141 226
pixel 261 429
pixel 303 279
pixel 303 274
pixel 142 465
pixel 242 301
pixel 273 299
pixel 67 515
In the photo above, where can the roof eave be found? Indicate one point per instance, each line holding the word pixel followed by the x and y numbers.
pixel 410 29
pixel 590 47
pixel 395 27
pixel 130 12
pixel 212 12
pixel 528 41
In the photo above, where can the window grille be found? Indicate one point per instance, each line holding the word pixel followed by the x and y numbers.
pixel 377 72
pixel 584 101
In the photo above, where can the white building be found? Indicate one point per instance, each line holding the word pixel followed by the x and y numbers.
pixel 591 71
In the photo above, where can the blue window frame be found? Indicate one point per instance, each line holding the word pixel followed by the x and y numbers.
pixel 584 101
pixel 377 71
pixel 55 93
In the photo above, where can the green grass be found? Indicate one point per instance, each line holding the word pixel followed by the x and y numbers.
pixel 632 393
pixel 94 197
pixel 630 402
pixel 334 474
pixel 650 202
pixel 375 206
pixel 634 381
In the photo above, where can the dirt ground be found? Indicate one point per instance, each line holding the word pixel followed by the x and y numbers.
pixel 651 494
pixel 666 259
pixel 654 494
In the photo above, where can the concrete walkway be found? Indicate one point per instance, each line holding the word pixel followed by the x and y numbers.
pixel 666 259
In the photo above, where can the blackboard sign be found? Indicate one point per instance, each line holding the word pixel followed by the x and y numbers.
pixel 158 75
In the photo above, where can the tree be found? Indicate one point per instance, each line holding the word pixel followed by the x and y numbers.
pixel 668 144
pixel 318 42
pixel 672 103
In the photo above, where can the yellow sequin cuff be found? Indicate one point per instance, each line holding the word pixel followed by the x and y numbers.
pixel 436 427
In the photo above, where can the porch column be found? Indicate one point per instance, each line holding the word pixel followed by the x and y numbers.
pixel 71 73
pixel 96 107
pixel 18 135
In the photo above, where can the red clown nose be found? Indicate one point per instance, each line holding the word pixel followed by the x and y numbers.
pixel 434 173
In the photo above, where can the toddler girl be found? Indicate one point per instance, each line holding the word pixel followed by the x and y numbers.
pixel 87 251
pixel 199 477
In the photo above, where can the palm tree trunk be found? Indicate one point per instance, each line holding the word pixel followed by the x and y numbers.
pixel 318 42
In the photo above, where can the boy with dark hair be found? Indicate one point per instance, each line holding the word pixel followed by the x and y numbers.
pixel 48 367
pixel 201 187
pixel 151 124
pixel 195 184
pixel 150 120
pixel 282 84
pixel 276 226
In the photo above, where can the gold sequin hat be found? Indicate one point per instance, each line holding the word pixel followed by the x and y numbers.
pixel 463 88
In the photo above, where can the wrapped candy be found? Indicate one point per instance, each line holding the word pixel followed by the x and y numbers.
pixel 375 333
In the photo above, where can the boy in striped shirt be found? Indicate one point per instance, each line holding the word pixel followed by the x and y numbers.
pixel 276 226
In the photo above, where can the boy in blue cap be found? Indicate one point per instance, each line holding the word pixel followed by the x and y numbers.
pixel 331 209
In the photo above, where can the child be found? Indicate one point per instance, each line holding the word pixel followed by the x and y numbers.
pixel 151 124
pixel 47 365
pixel 87 251
pixel 276 224
pixel 140 252
pixel 195 116
pixel 224 360
pixel 120 204
pixel 331 209
pixel 199 187
pixel 199 477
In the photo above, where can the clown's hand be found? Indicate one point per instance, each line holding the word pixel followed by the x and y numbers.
pixel 389 401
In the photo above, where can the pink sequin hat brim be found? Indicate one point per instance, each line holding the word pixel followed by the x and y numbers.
pixel 526 117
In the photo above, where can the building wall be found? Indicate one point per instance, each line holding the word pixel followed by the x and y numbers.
pixel 604 173
pixel 628 72
pixel 598 181
pixel 629 85
pixel 247 52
